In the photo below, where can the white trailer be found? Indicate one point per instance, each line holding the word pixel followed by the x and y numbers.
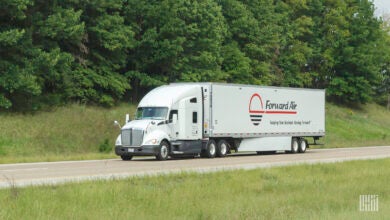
pixel 212 119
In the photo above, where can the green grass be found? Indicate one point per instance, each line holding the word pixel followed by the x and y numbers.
pixel 322 191
pixel 77 132
pixel 66 133
pixel 346 127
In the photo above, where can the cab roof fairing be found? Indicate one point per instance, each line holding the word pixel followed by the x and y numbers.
pixel 166 96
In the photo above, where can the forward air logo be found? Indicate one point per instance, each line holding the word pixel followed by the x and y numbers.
pixel 257 110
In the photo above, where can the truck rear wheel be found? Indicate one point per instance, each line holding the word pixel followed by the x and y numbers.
pixel 294 146
pixel 210 149
pixel 222 148
pixel 126 157
pixel 302 145
pixel 163 151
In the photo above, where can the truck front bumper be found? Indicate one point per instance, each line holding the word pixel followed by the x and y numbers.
pixel 145 150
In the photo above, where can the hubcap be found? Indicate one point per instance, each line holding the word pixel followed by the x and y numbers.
pixel 303 145
pixel 164 151
pixel 212 149
pixel 295 146
pixel 223 149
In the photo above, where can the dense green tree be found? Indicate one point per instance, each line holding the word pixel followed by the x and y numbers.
pixel 102 54
pixel 346 39
pixel 176 41
pixel 53 52
pixel 383 90
pixel 252 39
pixel 17 77
pixel 357 67
pixel 55 32
pixel 67 50
pixel 295 51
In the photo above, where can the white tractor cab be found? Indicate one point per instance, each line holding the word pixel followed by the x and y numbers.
pixel 168 121
pixel 210 119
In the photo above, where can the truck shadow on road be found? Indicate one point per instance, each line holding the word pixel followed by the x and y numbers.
pixel 233 155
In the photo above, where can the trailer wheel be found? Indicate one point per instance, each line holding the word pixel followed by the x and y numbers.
pixel 163 151
pixel 126 157
pixel 302 145
pixel 210 149
pixel 294 146
pixel 222 148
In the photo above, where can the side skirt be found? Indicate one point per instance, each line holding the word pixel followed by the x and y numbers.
pixel 186 147
pixel 265 144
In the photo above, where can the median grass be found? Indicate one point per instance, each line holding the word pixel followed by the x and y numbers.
pixel 367 126
pixel 78 132
pixel 321 191
pixel 74 132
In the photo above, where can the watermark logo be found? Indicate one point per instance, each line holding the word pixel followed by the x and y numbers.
pixel 369 203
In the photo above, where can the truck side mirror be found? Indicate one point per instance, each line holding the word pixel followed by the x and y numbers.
pixel 174 119
pixel 127 118
pixel 116 123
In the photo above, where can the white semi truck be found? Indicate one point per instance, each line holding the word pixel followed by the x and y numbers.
pixel 213 119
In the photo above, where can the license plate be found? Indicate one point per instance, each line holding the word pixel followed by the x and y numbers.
pixel 130 150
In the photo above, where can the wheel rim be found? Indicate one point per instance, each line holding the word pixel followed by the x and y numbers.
pixel 212 148
pixel 303 146
pixel 164 151
pixel 295 146
pixel 223 148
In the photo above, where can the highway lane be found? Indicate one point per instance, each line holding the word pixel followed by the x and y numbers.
pixel 26 174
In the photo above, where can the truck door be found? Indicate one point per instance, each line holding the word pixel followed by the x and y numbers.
pixel 190 118
pixel 173 124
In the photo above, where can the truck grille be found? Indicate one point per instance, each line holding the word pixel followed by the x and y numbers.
pixel 132 137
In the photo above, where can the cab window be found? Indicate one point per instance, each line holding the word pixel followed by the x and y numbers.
pixel 171 113
pixel 194 117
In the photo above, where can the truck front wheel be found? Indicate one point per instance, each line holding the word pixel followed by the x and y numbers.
pixel 163 151
pixel 126 157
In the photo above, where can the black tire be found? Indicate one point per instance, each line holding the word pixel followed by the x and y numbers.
pixel 126 157
pixel 302 145
pixel 222 148
pixel 163 152
pixel 294 145
pixel 210 149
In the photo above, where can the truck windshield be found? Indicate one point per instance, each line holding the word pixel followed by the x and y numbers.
pixel 151 113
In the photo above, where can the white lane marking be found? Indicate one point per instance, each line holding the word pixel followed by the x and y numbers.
pixel 28 169
pixel 55 162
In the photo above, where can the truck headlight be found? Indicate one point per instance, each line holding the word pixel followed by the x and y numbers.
pixel 151 141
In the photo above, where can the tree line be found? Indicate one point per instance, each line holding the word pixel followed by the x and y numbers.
pixel 95 51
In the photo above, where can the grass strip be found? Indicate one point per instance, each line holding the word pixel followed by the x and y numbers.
pixel 320 191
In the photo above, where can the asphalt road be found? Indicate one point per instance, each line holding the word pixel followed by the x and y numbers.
pixel 26 174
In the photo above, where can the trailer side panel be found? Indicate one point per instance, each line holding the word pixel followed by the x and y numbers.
pixel 253 111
